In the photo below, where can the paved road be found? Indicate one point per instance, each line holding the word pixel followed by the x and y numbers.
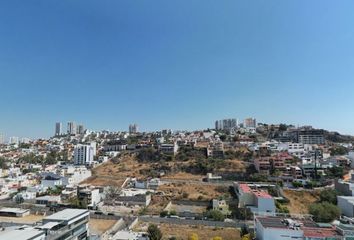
pixel 184 181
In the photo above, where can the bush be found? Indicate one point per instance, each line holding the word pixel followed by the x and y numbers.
pixel 215 215
pixel 163 214
pixel 324 212
pixel 329 195
pixel 281 208
pixel 173 213
pixel 154 232
pixel 297 184
pixel 335 172
pixel 242 213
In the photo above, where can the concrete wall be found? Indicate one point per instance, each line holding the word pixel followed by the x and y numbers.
pixel 346 206
pixel 266 204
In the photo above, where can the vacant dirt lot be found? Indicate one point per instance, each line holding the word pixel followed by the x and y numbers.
pixel 182 232
pixel 114 174
pixel 192 191
pixel 183 175
pixel 99 226
pixel 27 219
pixel 300 200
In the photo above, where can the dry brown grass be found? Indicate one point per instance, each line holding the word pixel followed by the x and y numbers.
pixel 234 165
pixel 191 191
pixel 99 226
pixel 300 200
pixel 184 175
pixel 182 232
pixel 114 174
pixel 27 219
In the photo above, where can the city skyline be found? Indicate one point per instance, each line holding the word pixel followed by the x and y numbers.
pixel 178 65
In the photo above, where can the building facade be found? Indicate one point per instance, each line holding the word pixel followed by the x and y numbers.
pixel 84 154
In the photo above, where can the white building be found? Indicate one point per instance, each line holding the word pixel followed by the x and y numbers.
pixel 51 180
pixel 27 233
pixel 84 154
pixel 221 206
pixel 14 140
pixel 73 175
pixel 129 235
pixel 169 148
pixel 280 228
pixel 69 224
pixel 89 194
pixel 257 201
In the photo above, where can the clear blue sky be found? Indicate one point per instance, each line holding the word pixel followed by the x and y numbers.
pixel 177 64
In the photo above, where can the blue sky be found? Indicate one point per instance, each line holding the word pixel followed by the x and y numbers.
pixel 177 64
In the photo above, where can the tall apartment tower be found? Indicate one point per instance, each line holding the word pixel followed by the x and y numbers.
pixel 133 128
pixel 226 124
pixel 250 123
pixel 14 140
pixel 80 129
pixel 71 129
pixel 58 129
pixel 84 154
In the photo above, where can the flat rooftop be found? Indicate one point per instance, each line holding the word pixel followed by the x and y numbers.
pixel 278 222
pixel 67 214
pixel 14 210
pixel 320 232
pixel 247 189
pixel 20 234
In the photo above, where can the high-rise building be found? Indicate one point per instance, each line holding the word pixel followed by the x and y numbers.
pixel 226 124
pixel 84 154
pixel 58 129
pixel 311 136
pixel 71 129
pixel 80 129
pixel 14 140
pixel 250 123
pixel 133 128
pixel 25 140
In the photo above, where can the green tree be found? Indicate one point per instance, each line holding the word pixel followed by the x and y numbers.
pixel 324 212
pixel 338 151
pixel 173 212
pixel 154 232
pixel 147 155
pixel 164 214
pixel 244 230
pixel 328 195
pixel 215 215
pixel 283 127
pixel 335 171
